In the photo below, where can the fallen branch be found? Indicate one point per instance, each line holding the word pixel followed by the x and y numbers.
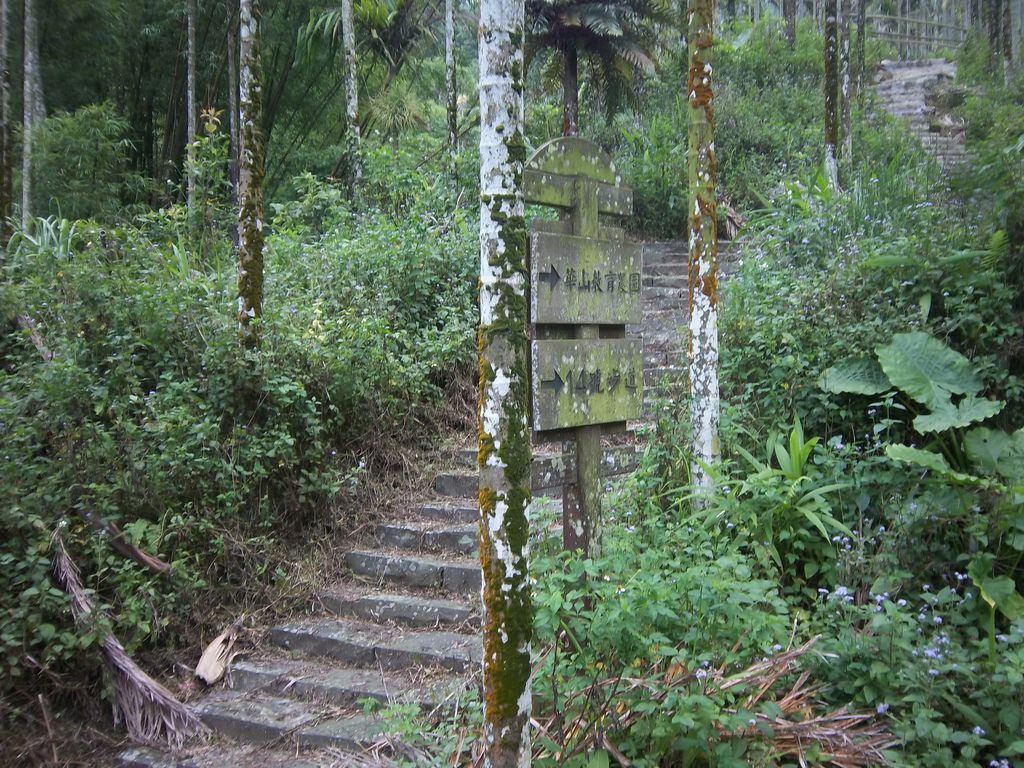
pixel 28 324
pixel 124 547
pixel 148 710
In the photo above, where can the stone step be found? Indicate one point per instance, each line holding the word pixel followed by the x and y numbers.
pixel 427 536
pixel 242 756
pixel 446 510
pixel 461 485
pixel 389 648
pixel 342 686
pixel 456 576
pixel 256 719
pixel 407 610
pixel 679 281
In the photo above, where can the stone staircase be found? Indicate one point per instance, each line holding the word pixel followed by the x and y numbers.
pixel 403 624
pixel 666 316
pixel 910 90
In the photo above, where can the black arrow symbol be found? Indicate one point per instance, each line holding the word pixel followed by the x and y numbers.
pixel 581 381
pixel 551 278
pixel 555 383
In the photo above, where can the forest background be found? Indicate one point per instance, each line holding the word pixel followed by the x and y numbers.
pixel 133 402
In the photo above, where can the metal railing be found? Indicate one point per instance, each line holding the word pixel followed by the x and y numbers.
pixel 917 36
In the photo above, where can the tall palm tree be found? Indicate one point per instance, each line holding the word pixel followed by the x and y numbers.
pixel 615 37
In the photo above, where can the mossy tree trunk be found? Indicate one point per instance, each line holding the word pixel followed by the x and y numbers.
pixel 570 89
pixel 250 175
pixel 831 93
pixel 450 83
pixel 705 406
pixel 6 151
pixel 844 81
pixel 862 26
pixel 789 16
pixel 33 105
pixel 504 452
pixel 190 111
pixel 992 26
pixel 348 39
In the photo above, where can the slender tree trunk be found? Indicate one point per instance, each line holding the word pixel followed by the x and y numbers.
pixel 231 11
pixel 1007 41
pixel 789 14
pixel 190 109
pixel 994 36
pixel 6 153
pixel 504 452
pixel 450 83
pixel 250 175
pixel 570 89
pixel 831 93
pixel 844 81
pixel 352 152
pixel 34 108
pixel 705 405
pixel 756 11
pixel 862 28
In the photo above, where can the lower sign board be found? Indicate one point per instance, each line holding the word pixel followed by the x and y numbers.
pixel 577 382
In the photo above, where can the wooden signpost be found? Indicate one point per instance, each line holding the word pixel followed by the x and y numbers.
pixel 585 279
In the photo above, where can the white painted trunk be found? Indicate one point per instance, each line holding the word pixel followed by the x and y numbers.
pixel 705 404
pixel 504 431
pixel 348 40
pixel 250 173
pixel 34 109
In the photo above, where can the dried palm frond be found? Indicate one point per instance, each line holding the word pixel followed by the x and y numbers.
pixel 148 710
pixel 218 655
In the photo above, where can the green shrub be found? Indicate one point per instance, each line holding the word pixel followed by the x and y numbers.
pixel 83 166
pixel 151 416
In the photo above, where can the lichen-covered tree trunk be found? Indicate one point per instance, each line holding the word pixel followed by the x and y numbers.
pixel 250 174
pixel 348 40
pixel 6 151
pixel 844 80
pixel 789 15
pixel 33 106
pixel 570 89
pixel 190 108
pixel 831 94
pixel 705 406
pixel 504 452
pixel 450 83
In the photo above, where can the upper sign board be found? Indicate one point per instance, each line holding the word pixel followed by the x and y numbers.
pixel 581 280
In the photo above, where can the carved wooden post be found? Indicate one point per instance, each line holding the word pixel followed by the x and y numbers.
pixel 585 288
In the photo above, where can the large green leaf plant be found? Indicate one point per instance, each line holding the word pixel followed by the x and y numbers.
pixel 926 373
